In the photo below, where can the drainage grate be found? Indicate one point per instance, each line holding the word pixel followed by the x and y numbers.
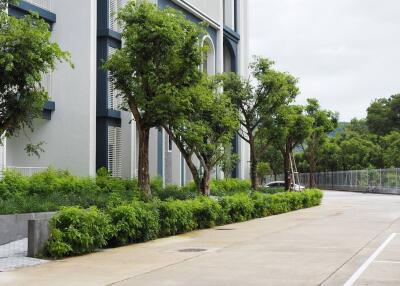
pixel 192 250
pixel 224 229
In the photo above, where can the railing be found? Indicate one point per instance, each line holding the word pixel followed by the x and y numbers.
pixel 25 171
pixel 386 181
pixel 45 4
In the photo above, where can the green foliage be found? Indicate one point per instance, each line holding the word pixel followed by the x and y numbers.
pixel 26 54
pixel 203 132
pixel 229 186
pixel 159 59
pixel 49 190
pixel 237 208
pixel 135 222
pixel 266 190
pixel 258 99
pixel 76 231
pixel 207 212
pixel 175 217
pixel 175 192
pixel 383 115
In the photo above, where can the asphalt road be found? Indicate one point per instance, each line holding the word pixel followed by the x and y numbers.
pixel 351 239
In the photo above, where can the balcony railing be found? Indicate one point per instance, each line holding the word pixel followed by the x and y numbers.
pixel 44 4
pixel 25 171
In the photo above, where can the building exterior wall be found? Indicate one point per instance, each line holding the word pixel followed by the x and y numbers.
pixel 69 135
pixel 76 136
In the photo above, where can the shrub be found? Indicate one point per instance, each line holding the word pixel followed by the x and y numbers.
pixel 237 208
pixel 261 205
pixel 133 223
pixel 207 212
pixel 175 192
pixel 13 184
pixel 75 231
pixel 265 190
pixel 229 187
pixel 175 217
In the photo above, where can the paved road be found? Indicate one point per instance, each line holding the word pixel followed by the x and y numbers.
pixel 350 237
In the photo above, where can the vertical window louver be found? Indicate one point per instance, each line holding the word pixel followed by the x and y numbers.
pixel 114 6
pixel 114 151
pixel 113 100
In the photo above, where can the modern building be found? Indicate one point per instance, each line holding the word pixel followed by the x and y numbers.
pixel 82 126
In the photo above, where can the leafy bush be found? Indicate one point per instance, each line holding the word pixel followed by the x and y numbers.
pixel 75 231
pixel 237 208
pixel 51 189
pixel 133 223
pixel 207 212
pixel 175 217
pixel 175 192
pixel 228 187
pixel 265 190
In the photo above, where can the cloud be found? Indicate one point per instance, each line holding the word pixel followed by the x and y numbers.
pixel 345 52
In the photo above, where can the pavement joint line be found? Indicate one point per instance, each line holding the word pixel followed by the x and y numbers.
pixel 217 250
pixel 370 259
pixel 387 261
pixel 156 269
pixel 358 251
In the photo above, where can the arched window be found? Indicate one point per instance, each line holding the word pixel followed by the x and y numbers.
pixel 209 61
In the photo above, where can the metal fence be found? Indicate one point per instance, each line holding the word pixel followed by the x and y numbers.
pixel 385 181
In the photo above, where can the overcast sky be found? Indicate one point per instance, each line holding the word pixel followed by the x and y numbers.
pixel 344 52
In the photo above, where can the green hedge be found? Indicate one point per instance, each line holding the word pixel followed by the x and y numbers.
pixel 76 230
pixel 52 189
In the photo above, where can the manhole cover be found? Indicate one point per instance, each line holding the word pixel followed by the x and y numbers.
pixel 224 229
pixel 192 250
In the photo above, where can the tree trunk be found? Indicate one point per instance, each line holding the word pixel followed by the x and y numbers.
pixel 253 165
pixel 143 170
pixel 286 169
pixel 187 156
pixel 312 173
pixel 205 182
pixel 193 170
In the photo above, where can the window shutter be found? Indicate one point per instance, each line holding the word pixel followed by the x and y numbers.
pixel 114 6
pixel 114 100
pixel 115 151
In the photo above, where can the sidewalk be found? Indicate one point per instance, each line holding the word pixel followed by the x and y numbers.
pixel 325 244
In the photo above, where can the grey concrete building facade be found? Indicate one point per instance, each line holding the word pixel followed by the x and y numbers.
pixel 83 127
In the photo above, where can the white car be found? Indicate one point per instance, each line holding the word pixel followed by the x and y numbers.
pixel 281 184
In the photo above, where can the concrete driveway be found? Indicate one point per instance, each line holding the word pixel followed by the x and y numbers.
pixel 351 239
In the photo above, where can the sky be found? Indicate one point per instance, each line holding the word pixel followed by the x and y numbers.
pixel 346 53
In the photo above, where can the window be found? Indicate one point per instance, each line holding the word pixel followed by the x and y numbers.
pixel 209 56
pixel 114 151
pixel 230 14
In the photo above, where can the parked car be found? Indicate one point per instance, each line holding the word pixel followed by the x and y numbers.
pixel 281 184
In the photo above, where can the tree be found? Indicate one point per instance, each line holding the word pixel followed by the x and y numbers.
pixel 330 156
pixel 391 150
pixel 265 152
pixel 271 89
pixel 287 129
pixel 160 57
pixel 324 121
pixel 229 162
pixel 383 115
pixel 205 130
pixel 26 54
pixel 263 169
